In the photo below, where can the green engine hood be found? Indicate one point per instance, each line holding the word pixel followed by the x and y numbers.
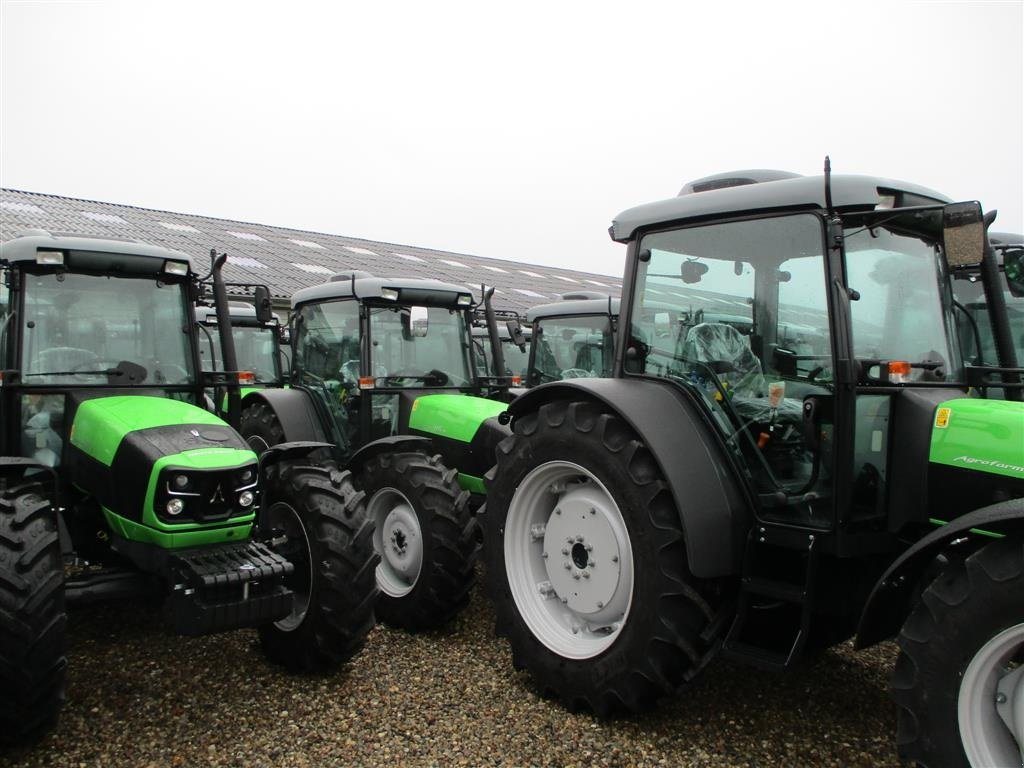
pixel 980 435
pixel 465 430
pixel 125 448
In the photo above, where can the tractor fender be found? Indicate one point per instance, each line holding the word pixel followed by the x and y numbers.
pixel 890 601
pixel 388 445
pixel 294 410
pixel 709 494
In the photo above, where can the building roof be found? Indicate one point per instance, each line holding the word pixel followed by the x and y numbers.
pixel 287 260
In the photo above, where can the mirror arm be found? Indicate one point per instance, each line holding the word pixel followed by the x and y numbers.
pixel 996 301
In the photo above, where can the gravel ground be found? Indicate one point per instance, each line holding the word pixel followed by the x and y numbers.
pixel 139 697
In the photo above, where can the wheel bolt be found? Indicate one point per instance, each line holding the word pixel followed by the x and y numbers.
pixel 558 510
pixel 567 566
pixel 615 558
pixel 544 555
pixel 565 550
pixel 1000 698
pixel 586 574
pixel 576 576
pixel 600 604
pixel 590 547
pixel 593 511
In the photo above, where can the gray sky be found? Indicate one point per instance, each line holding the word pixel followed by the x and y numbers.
pixel 512 130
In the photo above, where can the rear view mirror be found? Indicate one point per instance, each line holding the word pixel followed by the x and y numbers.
pixel 692 271
pixel 963 234
pixel 261 298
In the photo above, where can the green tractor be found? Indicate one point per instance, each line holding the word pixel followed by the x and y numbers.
pixel 382 369
pixel 730 493
pixel 572 338
pixel 258 343
pixel 115 483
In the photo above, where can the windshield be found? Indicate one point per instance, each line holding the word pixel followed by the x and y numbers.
pixel 577 346
pixel 403 358
pixel 900 314
pixel 256 350
pixel 80 329
pixel 747 296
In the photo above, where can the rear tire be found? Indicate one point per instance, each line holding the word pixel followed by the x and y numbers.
pixel 260 427
pixel 33 621
pixel 426 536
pixel 330 542
pixel 959 648
pixel 587 564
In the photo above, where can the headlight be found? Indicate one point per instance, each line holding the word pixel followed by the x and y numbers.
pixel 246 476
pixel 245 498
pixel 391 294
pixel 175 506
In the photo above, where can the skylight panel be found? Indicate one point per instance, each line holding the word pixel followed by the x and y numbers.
pixel 454 263
pixel 20 207
pixel 307 244
pixel 245 261
pixel 525 292
pixel 407 257
pixel 177 227
pixel 495 269
pixel 106 218
pixel 364 251
pixel 315 269
pixel 247 236
pixel 530 274
pixel 598 282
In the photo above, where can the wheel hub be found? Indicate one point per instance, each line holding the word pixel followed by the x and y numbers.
pixel 583 553
pixel 398 541
pixel 568 559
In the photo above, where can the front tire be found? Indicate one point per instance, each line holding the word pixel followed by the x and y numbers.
pixel 961 650
pixel 587 564
pixel 33 637
pixel 426 536
pixel 321 518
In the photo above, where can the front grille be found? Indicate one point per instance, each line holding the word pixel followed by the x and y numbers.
pixel 210 496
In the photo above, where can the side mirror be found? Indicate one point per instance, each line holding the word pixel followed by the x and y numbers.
pixel 418 322
pixel 1013 269
pixel 261 298
pixel 963 234
pixel 515 334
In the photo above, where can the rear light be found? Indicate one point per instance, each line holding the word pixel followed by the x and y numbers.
pixel 517 381
pixel 366 382
pixel 246 378
pixel 899 371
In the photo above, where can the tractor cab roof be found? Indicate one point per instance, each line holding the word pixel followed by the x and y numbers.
pixel 742 193
pixel 396 290
pixel 572 308
pixel 95 254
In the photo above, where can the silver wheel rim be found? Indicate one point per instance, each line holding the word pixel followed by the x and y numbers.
pixel 568 560
pixel 398 540
pixel 293 528
pixel 990 705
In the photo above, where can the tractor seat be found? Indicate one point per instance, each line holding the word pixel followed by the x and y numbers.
pixel 712 343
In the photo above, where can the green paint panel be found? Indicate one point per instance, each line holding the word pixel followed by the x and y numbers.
pixel 980 435
pixel 101 423
pixel 453 416
pixel 472 484
pixel 197 537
